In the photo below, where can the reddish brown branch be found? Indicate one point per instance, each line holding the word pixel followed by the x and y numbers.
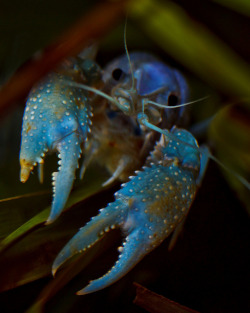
pixel 154 303
pixel 90 27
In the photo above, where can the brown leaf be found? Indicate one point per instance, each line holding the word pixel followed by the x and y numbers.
pixel 154 303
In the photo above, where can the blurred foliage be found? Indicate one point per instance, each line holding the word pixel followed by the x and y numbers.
pixel 193 45
pixel 242 6
pixel 208 41
pixel 235 152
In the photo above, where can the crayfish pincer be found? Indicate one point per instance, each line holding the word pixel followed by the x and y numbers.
pixel 147 208
pixel 57 118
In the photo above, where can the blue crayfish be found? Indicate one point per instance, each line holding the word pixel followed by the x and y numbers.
pixel 140 98
pixel 58 117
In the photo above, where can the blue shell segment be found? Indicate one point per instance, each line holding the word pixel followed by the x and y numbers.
pixel 147 209
pixel 55 107
pixel 152 76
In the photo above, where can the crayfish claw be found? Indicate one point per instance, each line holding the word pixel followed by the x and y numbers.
pixel 69 153
pixel 131 253
pixel 57 118
pixel 93 231
pixel 147 208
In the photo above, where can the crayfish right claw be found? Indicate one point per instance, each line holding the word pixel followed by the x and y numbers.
pixel 88 235
pixel 147 208
pixel 131 253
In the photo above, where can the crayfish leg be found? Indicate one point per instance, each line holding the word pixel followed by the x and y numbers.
pixel 119 170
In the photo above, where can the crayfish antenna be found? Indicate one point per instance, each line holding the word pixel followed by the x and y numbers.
pixel 127 53
pixel 165 106
pixel 236 175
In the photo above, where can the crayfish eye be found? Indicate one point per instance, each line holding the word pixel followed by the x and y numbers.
pixel 117 74
pixel 172 100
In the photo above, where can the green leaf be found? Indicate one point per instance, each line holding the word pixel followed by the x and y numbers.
pixel 15 211
pixel 73 268
pixel 92 184
pixel 28 240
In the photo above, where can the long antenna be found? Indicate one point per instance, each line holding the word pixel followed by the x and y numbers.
pixel 112 100
pixel 239 177
pixel 173 106
pixel 126 49
pixel 94 90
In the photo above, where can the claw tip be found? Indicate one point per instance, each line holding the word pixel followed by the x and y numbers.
pixel 81 292
pixel 26 168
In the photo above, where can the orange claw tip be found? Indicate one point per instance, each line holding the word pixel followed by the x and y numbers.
pixel 26 168
pixel 24 175
pixel 81 292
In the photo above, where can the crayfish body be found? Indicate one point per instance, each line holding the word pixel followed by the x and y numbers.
pixel 61 116
pixel 118 140
pixel 64 114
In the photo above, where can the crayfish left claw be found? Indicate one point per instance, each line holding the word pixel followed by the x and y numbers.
pixel 57 118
